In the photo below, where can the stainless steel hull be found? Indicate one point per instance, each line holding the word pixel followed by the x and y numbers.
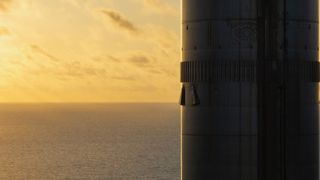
pixel 249 99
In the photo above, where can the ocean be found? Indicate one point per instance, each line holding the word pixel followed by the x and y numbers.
pixel 89 141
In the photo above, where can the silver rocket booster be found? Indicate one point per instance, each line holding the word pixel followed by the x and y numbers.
pixel 249 96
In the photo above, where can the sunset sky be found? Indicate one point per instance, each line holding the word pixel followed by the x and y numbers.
pixel 89 50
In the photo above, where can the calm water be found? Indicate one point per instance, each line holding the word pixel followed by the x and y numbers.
pixel 89 141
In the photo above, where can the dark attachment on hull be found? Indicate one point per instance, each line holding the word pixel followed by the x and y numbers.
pixel 249 96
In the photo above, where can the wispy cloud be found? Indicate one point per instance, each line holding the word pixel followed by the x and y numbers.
pixel 106 59
pixel 114 59
pixel 4 4
pixel 124 78
pixel 76 69
pixel 18 62
pixel 161 6
pixel 37 49
pixel 117 19
pixel 140 60
pixel 4 31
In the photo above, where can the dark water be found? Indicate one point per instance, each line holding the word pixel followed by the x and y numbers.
pixel 89 141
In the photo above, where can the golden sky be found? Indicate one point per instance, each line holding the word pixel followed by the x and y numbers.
pixel 89 50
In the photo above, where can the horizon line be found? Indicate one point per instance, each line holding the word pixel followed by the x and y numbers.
pixel 124 102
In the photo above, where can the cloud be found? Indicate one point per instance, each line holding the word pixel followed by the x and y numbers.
pixel 140 60
pixel 18 62
pixel 120 21
pixel 106 59
pixel 79 3
pixel 114 59
pixel 4 4
pixel 73 2
pixel 124 78
pixel 41 51
pixel 65 68
pixel 163 37
pixel 77 69
pixel 160 6
pixel 4 31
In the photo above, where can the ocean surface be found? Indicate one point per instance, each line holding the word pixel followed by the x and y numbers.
pixel 89 141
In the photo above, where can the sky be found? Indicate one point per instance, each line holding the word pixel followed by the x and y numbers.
pixel 89 50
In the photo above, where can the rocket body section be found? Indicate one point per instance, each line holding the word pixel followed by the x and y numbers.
pixel 250 91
